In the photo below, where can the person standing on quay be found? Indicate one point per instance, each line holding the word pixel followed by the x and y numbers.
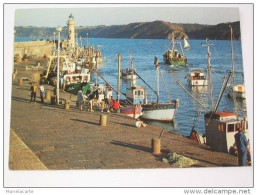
pixel 42 92
pixel 80 99
pixel 33 89
pixel 242 147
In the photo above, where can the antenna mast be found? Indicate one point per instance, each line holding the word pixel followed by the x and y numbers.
pixel 209 68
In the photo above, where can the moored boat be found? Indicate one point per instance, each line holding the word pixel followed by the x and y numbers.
pixel 157 111
pixel 221 126
pixel 236 91
pixel 196 77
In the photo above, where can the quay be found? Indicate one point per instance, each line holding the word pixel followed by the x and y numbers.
pixel 45 136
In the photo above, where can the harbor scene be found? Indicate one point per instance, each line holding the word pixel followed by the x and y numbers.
pixel 123 97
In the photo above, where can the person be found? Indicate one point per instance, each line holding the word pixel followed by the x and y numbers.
pixel 112 102
pixel 139 123
pixel 116 105
pixel 107 99
pixel 242 146
pixel 33 89
pixel 80 99
pixel 42 92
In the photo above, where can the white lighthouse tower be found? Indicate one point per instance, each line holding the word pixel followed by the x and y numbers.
pixel 71 32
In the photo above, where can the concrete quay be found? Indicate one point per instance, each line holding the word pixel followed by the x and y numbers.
pixel 57 139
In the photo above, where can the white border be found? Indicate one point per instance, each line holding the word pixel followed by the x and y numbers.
pixel 195 177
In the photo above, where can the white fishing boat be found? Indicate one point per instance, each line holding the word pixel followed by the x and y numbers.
pixel 129 73
pixel 234 90
pixel 173 56
pixel 160 111
pixel 196 77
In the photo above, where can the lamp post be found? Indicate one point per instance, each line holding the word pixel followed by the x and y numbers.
pixel 59 29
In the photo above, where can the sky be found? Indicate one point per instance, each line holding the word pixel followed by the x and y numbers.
pixel 53 16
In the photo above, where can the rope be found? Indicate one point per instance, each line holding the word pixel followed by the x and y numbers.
pixel 169 96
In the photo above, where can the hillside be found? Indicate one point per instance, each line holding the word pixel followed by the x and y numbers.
pixel 141 30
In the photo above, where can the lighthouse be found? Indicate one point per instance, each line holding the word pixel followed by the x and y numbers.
pixel 71 32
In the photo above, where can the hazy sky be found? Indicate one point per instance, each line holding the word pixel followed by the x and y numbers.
pixel 92 16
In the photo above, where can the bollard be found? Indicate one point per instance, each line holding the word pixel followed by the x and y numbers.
pixel 48 95
pixel 53 100
pixel 13 76
pixel 156 146
pixel 26 68
pixel 67 105
pixel 19 81
pixel 103 120
pixel 38 64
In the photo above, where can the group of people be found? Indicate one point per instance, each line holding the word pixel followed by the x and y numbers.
pixel 34 89
pixel 108 102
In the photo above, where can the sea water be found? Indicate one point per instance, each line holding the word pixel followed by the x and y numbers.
pixel 143 51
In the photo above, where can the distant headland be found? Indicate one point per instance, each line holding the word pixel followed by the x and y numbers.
pixel 141 30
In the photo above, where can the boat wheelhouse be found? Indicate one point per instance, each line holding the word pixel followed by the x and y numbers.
pixel 221 128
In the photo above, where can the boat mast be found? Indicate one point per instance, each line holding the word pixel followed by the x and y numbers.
pixel 232 56
pixel 209 68
pixel 118 83
pixel 157 66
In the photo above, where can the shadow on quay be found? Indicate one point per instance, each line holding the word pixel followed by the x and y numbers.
pixel 83 121
pixel 133 146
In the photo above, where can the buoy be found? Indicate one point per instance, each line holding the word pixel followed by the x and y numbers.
pixel 48 95
pixel 156 146
pixel 103 120
pixel 19 81
pixel 67 105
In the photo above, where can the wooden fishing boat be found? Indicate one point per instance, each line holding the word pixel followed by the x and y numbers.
pixel 157 111
pixel 173 56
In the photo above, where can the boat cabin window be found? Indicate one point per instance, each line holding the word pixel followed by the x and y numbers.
pixel 222 127
pixel 139 92
pixel 231 127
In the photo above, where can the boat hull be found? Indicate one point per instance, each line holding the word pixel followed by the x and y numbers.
pixel 197 82
pixel 164 112
pixel 132 111
pixel 178 63
pixel 237 91
pixel 129 77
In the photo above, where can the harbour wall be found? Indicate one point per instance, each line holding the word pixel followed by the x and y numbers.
pixel 33 48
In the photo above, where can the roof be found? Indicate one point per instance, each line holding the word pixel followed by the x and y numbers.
pixel 224 114
pixel 218 115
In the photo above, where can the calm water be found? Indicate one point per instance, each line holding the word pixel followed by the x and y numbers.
pixel 143 52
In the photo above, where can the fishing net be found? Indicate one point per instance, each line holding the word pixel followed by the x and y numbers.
pixel 179 160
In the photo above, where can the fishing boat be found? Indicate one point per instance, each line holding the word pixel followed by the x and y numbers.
pixel 129 73
pixel 136 95
pixel 220 126
pixel 235 90
pixel 223 125
pixel 173 57
pixel 157 111
pixel 196 77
